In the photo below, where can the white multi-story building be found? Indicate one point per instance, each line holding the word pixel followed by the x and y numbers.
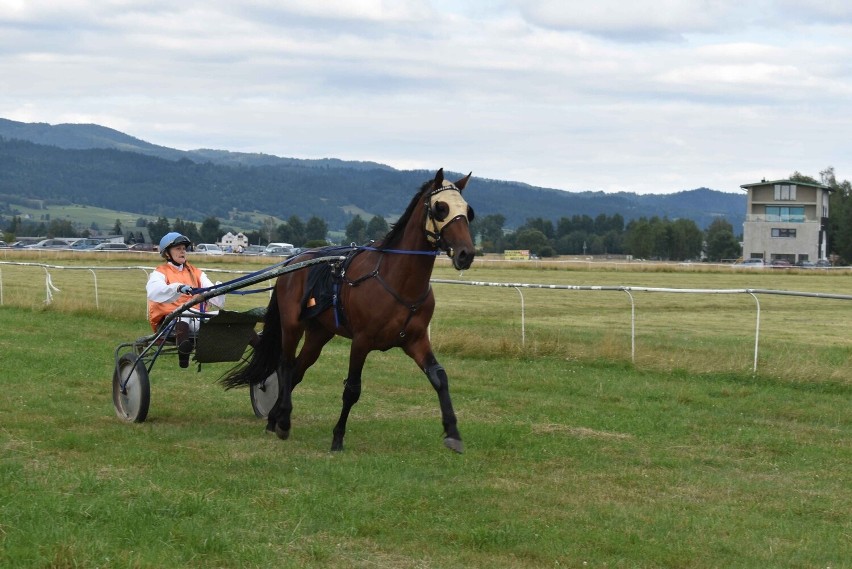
pixel 786 219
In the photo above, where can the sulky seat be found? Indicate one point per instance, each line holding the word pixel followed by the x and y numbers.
pixel 225 336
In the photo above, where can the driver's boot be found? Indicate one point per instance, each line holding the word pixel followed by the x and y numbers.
pixel 184 343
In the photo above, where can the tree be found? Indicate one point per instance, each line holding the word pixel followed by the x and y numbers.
pixel 572 243
pixel 639 238
pixel 268 231
pixel 156 229
pixel 356 230
pixel 532 239
pixel 545 226
pixel 15 225
pixel 192 233
pixel 316 229
pixel 490 231
pixel 116 229
pixel 61 228
pixel 721 242
pixel 210 232
pixel 685 240
pixel 297 231
pixel 839 215
pixel 377 227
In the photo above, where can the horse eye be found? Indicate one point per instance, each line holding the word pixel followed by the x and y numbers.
pixel 469 214
pixel 440 210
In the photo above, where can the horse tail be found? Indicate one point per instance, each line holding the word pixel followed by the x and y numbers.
pixel 266 355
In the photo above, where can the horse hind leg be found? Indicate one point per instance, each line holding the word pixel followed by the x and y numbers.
pixel 278 421
pixel 351 394
pixel 291 375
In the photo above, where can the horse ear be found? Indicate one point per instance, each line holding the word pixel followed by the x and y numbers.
pixel 463 182
pixel 439 178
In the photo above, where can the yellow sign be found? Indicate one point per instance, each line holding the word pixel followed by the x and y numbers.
pixel 516 254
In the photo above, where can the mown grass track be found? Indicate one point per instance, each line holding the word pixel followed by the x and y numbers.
pixel 573 457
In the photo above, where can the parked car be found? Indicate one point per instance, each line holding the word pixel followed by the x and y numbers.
pixel 271 246
pixel 209 249
pixel 83 244
pixel 278 252
pixel 111 247
pixel 50 244
pixel 822 264
pixel 780 263
pixel 143 247
pixel 752 263
pixel 805 265
pixel 254 250
pixel 22 243
pixel 4 245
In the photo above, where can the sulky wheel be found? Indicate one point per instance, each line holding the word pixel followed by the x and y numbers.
pixel 131 390
pixel 264 395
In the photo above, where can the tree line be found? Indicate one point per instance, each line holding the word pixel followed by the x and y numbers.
pixel 645 237
pixel 648 238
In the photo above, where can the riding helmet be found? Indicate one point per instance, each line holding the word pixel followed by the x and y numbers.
pixel 170 240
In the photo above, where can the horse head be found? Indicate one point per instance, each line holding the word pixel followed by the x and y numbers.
pixel 448 218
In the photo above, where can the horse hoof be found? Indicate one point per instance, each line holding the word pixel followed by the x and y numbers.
pixel 454 445
pixel 336 447
pixel 282 434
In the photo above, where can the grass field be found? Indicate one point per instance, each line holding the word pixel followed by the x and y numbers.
pixel 575 457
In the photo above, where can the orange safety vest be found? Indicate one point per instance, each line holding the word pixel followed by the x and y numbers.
pixel 188 276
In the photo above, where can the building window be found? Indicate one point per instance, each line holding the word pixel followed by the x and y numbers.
pixel 785 214
pixel 785 192
pixel 779 232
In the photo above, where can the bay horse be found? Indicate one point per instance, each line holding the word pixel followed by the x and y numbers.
pixel 380 298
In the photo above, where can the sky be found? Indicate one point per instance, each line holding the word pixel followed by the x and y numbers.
pixel 601 95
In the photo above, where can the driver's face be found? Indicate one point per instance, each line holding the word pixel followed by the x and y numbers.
pixel 178 253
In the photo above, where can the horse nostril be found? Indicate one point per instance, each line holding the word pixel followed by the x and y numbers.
pixel 463 259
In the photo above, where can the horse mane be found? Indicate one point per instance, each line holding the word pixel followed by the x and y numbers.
pixel 393 236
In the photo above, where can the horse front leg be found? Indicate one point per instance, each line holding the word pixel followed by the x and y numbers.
pixel 421 353
pixel 438 378
pixel 351 394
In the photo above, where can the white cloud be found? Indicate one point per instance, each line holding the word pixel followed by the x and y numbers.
pixel 640 96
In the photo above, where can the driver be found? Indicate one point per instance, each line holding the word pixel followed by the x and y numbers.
pixel 170 286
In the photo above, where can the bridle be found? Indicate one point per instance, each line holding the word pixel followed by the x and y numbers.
pixel 458 209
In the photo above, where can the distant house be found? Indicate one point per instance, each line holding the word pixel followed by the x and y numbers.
pixel 786 220
pixel 233 243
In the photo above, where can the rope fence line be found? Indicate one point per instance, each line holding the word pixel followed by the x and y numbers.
pixel 628 290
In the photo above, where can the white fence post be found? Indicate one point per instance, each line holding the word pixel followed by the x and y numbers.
pixel 756 332
pixel 523 320
pixel 632 327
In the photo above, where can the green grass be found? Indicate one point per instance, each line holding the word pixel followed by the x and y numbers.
pixel 574 456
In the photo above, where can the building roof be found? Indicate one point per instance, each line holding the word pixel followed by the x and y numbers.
pixel 796 182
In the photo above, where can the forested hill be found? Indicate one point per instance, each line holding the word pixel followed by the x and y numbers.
pixel 97 166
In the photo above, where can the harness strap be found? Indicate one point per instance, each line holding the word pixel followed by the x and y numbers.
pixel 412 308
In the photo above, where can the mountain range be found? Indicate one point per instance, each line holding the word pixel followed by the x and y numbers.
pixel 93 165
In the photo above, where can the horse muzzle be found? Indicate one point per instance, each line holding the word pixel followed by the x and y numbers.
pixel 462 257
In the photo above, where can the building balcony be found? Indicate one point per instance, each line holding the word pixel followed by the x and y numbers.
pixel 761 218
